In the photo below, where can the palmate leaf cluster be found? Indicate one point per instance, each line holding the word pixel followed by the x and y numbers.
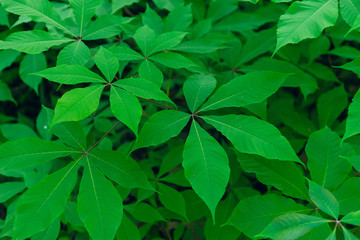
pixel 177 119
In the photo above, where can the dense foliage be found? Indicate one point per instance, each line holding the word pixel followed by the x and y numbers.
pixel 178 119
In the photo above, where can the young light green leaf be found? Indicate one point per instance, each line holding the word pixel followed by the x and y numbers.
pixel 107 63
pixel 126 108
pixel 76 53
pixel 323 199
pixel 84 10
pixel 251 135
pixel 253 214
pixel 77 104
pixel 285 176
pixel 352 121
pixel 173 60
pixel 326 166
pixel 32 42
pixel 355 26
pixel 32 63
pixel 71 133
pixel 143 88
pixel 43 203
pixel 304 20
pixel 352 218
pixel 5 93
pixel 120 168
pixel 37 10
pixel 206 166
pixel 144 37
pixel 126 54
pixel 172 199
pixel 250 88
pixel 99 204
pixel 166 41
pixel 10 189
pixel 197 88
pixel 29 152
pixel 148 71
pixel 70 74
pixel 160 127
pixel 291 226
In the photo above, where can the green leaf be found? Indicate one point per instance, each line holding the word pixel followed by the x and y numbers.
pixel 144 37
pixel 127 230
pixel 330 105
pixel 31 64
pixel 251 135
pixel 197 89
pixel 247 89
pixel 348 199
pixel 32 42
pixel 285 176
pixel 355 26
pixel 126 54
pixel 352 218
pixel 105 26
pixel 324 199
pixel 107 63
pixel 206 166
pixel 260 43
pixel 198 46
pixel 76 53
pixel 120 168
pixel 291 226
pixel 253 214
pixel 179 19
pixel 348 235
pixel 43 203
pixel 29 152
pixel 51 233
pixel 10 189
pixel 304 20
pixel 169 4
pixel 148 71
pixel 43 122
pixel 352 121
pixel 172 60
pixel 84 10
pixel 352 66
pixel 37 10
pixel 166 41
pixel 7 58
pixel 144 212
pixel 152 19
pixel 172 199
pixel 71 133
pixel 326 166
pixel 117 4
pixel 70 74
pixel 77 104
pixel 99 204
pixel 350 10
pixel 15 131
pixel 126 108
pixel 143 88
pixel 5 93
pixel 160 127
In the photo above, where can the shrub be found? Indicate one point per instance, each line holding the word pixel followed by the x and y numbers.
pixel 177 119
